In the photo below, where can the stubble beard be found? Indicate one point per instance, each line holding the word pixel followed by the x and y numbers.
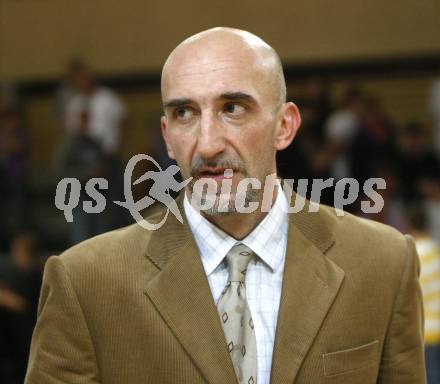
pixel 223 204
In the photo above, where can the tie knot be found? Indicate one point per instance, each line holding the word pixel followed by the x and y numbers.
pixel 238 259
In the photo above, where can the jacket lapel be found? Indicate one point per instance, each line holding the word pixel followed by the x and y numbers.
pixel 181 294
pixel 310 284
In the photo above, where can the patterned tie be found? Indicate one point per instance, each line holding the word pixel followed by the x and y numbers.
pixel 236 317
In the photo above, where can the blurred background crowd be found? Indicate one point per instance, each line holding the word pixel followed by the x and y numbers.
pixel 367 114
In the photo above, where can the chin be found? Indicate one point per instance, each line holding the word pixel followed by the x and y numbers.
pixel 226 204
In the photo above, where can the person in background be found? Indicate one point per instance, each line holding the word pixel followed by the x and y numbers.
pixel 14 170
pixel 105 116
pixel 417 163
pixel 106 111
pixel 431 191
pixel 434 110
pixel 429 253
pixel 83 158
pixel 308 156
pixel 341 129
pixel 316 100
pixel 375 140
pixel 19 292
pixel 66 91
pixel 393 212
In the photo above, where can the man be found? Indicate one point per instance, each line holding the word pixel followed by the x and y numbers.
pixel 230 297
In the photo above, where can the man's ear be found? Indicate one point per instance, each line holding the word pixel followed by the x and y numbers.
pixel 164 127
pixel 287 127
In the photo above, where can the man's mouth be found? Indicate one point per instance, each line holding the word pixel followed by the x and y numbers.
pixel 212 173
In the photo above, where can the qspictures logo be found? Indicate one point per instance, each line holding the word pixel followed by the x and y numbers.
pixel 213 195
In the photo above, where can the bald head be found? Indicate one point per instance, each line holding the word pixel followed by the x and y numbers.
pixel 223 47
pixel 223 93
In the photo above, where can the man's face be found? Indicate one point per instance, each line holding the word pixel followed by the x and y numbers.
pixel 219 114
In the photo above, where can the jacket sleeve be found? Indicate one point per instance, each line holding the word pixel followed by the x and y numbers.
pixel 403 350
pixel 61 350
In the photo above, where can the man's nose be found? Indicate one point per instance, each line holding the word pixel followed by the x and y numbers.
pixel 210 141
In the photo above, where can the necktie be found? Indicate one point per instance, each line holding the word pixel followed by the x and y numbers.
pixel 236 318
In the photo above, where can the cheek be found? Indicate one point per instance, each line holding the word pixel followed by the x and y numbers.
pixel 179 143
pixel 256 147
pixel 260 139
pixel 181 146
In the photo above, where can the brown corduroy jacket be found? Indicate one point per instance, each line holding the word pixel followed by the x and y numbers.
pixel 134 307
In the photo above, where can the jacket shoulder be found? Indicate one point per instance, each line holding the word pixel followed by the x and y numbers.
pixel 368 244
pixel 118 249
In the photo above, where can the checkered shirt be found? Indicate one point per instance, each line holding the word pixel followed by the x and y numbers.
pixel 264 274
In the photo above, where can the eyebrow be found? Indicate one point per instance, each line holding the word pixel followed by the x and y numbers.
pixel 231 96
pixel 176 102
pixel 235 96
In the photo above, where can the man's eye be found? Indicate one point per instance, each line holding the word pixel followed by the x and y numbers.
pixel 234 108
pixel 183 113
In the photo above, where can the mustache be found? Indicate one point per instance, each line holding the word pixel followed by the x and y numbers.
pixel 221 161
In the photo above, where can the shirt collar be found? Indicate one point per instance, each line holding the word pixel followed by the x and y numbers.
pixel 269 235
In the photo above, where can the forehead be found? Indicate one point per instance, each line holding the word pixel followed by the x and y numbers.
pixel 202 77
